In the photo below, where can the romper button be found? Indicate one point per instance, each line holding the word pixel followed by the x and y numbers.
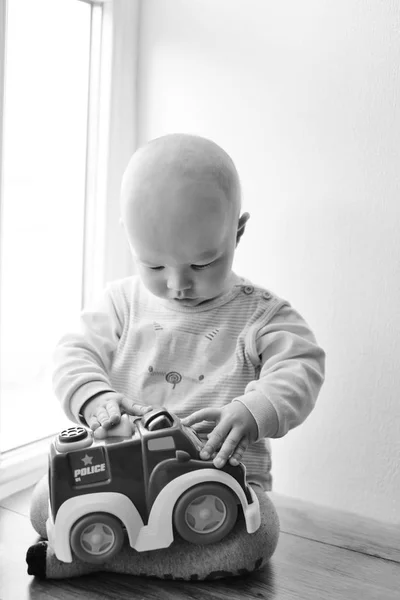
pixel 248 289
pixel 266 295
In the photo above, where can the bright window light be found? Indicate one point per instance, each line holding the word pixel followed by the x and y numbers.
pixel 43 206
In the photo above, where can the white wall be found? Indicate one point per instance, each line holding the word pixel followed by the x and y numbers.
pixel 305 97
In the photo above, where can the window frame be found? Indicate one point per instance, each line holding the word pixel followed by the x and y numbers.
pixel 111 139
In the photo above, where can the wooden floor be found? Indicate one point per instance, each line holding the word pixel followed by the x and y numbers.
pixel 321 555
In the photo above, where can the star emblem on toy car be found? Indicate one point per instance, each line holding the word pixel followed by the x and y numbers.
pixel 87 460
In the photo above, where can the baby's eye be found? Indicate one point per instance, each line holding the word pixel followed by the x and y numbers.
pixel 195 267
pixel 200 267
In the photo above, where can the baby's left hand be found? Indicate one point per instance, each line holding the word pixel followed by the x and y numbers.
pixel 236 428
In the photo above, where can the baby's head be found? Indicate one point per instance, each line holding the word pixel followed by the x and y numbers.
pixel 180 208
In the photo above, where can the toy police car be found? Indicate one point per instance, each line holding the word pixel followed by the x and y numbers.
pixel 146 480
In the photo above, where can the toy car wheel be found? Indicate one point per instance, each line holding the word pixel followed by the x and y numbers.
pixel 97 537
pixel 206 513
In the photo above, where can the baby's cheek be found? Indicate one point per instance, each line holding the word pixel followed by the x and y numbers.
pixel 218 275
pixel 152 283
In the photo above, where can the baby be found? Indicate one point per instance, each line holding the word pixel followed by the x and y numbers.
pixel 187 333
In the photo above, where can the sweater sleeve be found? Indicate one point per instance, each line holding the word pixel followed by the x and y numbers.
pixel 292 373
pixel 82 358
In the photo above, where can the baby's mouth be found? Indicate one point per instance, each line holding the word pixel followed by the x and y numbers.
pixel 183 297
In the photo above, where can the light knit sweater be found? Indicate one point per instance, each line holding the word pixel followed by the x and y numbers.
pixel 247 345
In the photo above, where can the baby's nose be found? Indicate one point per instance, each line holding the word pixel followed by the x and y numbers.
pixel 178 281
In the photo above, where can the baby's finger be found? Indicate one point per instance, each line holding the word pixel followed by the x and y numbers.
pixel 114 413
pixel 227 449
pixel 204 414
pixel 239 452
pixel 215 440
pixel 93 423
pixel 134 408
pixel 103 417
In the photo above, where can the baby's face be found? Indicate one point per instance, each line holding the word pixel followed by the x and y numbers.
pixel 182 233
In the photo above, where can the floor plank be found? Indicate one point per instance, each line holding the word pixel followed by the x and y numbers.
pixel 300 569
pixel 338 528
pixel 307 569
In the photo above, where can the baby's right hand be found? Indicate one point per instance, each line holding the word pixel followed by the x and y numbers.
pixel 104 411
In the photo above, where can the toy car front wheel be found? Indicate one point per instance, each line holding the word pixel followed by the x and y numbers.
pixel 206 513
pixel 96 538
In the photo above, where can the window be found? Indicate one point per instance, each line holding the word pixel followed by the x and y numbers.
pixel 68 129
pixel 46 81
pixel 164 443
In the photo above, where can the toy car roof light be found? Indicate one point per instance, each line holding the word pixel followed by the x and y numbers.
pixel 73 438
pixel 73 434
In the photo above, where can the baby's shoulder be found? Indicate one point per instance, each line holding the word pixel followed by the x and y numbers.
pixel 257 292
pixel 256 304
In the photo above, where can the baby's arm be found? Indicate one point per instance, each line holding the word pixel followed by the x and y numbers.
pixel 82 363
pixel 292 373
pixel 291 376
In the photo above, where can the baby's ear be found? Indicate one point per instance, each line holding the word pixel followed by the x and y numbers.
pixel 241 226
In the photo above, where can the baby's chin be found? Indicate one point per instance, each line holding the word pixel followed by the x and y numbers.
pixel 190 301
pixel 187 301
pixel 198 301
